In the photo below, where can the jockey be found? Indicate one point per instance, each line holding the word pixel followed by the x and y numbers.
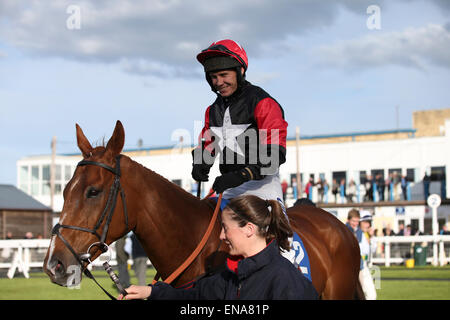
pixel 244 126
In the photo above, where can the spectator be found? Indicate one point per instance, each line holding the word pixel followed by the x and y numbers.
pixel 381 186
pixel 369 189
pixel 342 191
pixel 122 262
pixel 396 181
pixel 9 235
pixel 444 230
pixel 351 191
pixel 29 235
pixel 408 231
pixel 320 190
pixel 326 187
pixel 387 231
pixel 353 219
pixel 308 188
pixel 361 192
pixel 404 184
pixel 367 247
pixel 390 184
pixel 426 185
pixel 335 190
pixel 375 189
pixel 139 260
pixel 294 188
pixel 401 229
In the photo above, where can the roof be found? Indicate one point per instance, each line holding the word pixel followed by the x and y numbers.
pixel 12 198
pixel 410 132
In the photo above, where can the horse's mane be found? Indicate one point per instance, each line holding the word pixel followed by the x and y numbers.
pixel 159 177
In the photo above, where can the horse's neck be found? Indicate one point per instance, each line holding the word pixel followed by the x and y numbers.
pixel 168 221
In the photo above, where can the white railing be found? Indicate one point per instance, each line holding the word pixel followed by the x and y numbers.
pixel 394 250
pixel 23 254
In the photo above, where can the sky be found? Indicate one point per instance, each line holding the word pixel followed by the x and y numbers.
pixel 334 66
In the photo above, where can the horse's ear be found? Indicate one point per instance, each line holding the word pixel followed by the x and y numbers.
pixel 116 142
pixel 83 142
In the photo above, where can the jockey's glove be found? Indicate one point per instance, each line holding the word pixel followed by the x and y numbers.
pixel 200 172
pixel 232 180
pixel 200 168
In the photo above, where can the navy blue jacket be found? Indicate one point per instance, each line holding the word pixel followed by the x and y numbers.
pixel 264 276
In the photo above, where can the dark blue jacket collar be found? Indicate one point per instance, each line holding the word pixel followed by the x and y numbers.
pixel 248 266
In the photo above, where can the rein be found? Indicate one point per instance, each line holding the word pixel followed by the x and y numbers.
pixel 107 213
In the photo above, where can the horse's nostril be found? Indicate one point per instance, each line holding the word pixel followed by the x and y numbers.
pixel 59 268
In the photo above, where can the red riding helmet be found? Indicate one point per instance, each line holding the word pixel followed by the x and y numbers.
pixel 223 50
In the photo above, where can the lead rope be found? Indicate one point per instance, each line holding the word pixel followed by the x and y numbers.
pixel 197 250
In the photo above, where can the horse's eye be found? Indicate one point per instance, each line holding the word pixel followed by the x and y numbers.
pixel 92 192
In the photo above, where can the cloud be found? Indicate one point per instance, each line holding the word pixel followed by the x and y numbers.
pixel 413 47
pixel 158 36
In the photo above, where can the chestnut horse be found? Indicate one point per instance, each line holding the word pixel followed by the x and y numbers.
pixel 170 222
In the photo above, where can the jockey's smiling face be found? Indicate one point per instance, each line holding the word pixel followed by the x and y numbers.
pixel 224 81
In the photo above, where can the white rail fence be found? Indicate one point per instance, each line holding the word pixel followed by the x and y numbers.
pixel 22 255
pixel 397 249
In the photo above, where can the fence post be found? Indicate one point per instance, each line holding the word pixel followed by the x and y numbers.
pixel 387 253
pixel 441 253
pixel 435 251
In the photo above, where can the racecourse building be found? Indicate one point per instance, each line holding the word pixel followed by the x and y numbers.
pixel 388 173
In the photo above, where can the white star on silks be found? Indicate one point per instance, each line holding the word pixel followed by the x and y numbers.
pixel 228 132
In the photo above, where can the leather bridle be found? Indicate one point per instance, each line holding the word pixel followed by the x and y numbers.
pixel 107 214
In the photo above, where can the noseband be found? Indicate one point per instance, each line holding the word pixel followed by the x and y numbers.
pixel 107 214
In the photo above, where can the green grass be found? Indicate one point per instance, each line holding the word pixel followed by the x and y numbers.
pixel 410 289
pixel 39 287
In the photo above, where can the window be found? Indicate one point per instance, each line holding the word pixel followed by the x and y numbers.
pixel 437 173
pixel 376 172
pixel 23 175
pixel 362 177
pixel 339 175
pixel 411 175
pixel 58 177
pixel 57 172
pixel 34 180
pixel 395 175
pixel 46 180
pixel 67 173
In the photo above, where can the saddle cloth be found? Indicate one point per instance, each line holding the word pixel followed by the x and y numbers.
pixel 297 255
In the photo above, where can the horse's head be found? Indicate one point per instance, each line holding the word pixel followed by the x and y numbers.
pixel 94 213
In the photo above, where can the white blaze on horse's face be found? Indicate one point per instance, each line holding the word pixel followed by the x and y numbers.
pixel 73 184
pixel 50 254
